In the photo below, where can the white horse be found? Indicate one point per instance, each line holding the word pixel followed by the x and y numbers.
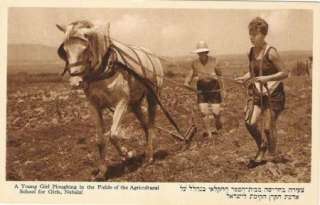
pixel 114 76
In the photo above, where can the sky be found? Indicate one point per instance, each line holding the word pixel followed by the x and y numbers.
pixel 167 32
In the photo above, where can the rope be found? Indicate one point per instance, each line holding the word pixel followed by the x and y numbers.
pixel 225 77
pixel 149 86
pixel 176 82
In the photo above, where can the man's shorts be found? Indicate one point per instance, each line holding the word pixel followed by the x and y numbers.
pixel 209 91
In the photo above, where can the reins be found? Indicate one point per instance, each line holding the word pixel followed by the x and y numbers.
pixel 146 82
pixel 68 66
pixel 102 74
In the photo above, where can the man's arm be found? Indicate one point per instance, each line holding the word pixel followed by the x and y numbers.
pixel 189 77
pixel 218 72
pixel 218 69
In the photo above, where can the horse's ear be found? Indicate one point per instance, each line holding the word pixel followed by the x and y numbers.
pixel 62 28
pixel 107 34
pixel 108 29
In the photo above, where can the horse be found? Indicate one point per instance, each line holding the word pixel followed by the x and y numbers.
pixel 113 76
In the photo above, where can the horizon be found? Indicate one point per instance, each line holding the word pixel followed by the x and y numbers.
pixel 190 54
pixel 48 63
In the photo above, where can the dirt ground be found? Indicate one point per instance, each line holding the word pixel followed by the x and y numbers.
pixel 51 137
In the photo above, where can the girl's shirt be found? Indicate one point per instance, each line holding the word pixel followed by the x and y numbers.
pixel 262 66
pixel 268 68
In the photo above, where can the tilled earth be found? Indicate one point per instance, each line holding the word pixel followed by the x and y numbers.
pixel 51 137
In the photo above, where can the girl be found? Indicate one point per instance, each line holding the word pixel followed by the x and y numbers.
pixel 266 70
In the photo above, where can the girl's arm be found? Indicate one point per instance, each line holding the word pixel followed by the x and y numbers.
pixel 243 78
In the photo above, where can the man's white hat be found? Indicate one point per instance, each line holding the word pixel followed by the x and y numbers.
pixel 201 47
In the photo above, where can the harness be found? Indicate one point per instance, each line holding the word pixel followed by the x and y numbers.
pixel 145 81
pixel 109 62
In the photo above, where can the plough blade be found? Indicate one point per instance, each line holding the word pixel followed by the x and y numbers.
pixel 186 138
pixel 190 133
pixel 177 136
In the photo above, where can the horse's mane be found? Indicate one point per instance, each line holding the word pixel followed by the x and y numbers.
pixel 82 24
pixel 76 25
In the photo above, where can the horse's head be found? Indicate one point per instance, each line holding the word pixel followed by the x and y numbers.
pixel 83 49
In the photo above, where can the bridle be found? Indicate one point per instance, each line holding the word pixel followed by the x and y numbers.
pixel 88 73
pixel 69 66
pixel 62 54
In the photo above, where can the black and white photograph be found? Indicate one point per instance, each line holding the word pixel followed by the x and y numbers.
pixel 147 94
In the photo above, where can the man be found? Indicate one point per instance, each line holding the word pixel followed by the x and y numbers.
pixel 205 72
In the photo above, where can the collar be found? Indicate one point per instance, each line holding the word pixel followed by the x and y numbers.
pixel 105 69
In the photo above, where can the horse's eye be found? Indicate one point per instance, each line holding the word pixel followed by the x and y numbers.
pixel 86 53
pixel 67 53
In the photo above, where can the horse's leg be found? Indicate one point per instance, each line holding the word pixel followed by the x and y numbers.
pixel 152 108
pixel 136 109
pixel 100 141
pixel 119 112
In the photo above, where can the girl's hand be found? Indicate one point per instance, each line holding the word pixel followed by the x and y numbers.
pixel 243 78
pixel 240 80
pixel 261 79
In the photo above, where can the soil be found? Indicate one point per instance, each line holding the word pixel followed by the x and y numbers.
pixel 51 137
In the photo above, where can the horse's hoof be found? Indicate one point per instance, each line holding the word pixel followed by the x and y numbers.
pixel 128 155
pixel 100 177
pixel 100 173
pixel 103 168
pixel 149 160
pixel 123 159
pixel 254 163
pixel 131 154
pixel 260 154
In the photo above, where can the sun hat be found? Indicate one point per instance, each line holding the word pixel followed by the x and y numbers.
pixel 201 47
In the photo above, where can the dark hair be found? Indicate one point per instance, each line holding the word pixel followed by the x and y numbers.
pixel 258 24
